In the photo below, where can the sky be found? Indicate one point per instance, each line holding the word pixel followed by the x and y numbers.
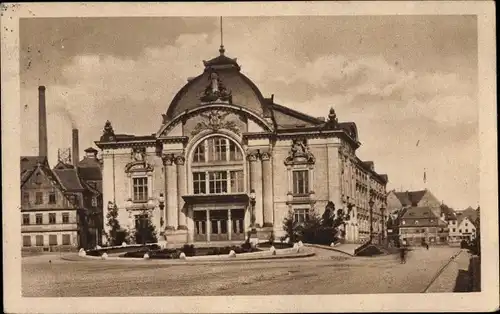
pixel 408 82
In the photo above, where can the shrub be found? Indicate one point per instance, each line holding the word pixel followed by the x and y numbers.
pixel 145 233
pixel 189 250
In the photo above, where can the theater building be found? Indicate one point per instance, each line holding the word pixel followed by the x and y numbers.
pixel 225 160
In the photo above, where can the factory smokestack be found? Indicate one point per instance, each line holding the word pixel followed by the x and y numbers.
pixel 42 123
pixel 75 147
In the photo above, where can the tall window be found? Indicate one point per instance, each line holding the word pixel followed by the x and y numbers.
pixel 52 218
pixel 217 147
pixel 52 198
pixel 199 183
pixel 26 198
pixel 66 239
pixel 237 184
pixel 199 153
pixel 26 241
pixel 301 215
pixel 300 182
pixel 226 171
pixel 39 240
pixel 234 152
pixel 217 182
pixel 52 239
pixel 26 219
pixel 39 219
pixel 65 218
pixel 38 198
pixel 94 201
pixel 140 189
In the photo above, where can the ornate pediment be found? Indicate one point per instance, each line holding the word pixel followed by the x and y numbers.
pixel 215 91
pixel 215 120
pixel 138 166
pixel 299 153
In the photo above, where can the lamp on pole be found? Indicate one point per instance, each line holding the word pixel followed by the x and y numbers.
pixel 382 209
pixel 252 217
pixel 371 203
pixel 161 205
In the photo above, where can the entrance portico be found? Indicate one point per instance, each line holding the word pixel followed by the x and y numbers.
pixel 222 217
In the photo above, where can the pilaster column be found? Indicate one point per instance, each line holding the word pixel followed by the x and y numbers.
pixel 170 191
pixel 256 185
pixel 267 189
pixel 181 190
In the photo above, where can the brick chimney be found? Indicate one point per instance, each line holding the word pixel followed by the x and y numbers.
pixel 75 154
pixel 42 123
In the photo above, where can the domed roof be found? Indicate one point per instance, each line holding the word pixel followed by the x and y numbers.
pixel 243 91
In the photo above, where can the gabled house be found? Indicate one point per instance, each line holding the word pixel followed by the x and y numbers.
pixel 49 207
pixel 463 225
pixel 421 223
pixel 54 206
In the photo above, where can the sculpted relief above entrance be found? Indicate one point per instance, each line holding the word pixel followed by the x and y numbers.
pixel 215 120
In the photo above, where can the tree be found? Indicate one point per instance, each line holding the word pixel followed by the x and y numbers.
pixel 116 235
pixel 289 226
pixel 329 215
pixel 145 231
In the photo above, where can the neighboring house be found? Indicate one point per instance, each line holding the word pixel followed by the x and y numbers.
pixel 419 223
pixel 462 226
pixel 399 202
pixel 49 209
pixel 225 160
pixel 90 173
pixel 54 206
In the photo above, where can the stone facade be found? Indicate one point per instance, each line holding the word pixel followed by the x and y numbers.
pixel 226 160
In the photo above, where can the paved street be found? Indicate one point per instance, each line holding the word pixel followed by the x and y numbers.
pixel 326 273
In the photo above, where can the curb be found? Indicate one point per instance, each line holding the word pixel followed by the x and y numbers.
pixel 328 248
pixel 220 258
pixel 441 270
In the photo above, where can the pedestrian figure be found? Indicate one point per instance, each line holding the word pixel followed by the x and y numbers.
pixel 402 251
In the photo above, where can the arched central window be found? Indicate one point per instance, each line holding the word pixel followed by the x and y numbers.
pixel 217 167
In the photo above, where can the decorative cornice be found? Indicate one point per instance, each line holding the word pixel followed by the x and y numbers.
pixel 137 166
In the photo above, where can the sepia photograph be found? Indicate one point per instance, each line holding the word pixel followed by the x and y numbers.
pixel 237 154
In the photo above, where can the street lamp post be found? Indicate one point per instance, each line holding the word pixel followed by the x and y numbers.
pixel 382 209
pixel 371 203
pixel 252 217
pixel 161 205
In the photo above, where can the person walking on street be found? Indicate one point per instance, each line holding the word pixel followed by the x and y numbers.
pixel 402 251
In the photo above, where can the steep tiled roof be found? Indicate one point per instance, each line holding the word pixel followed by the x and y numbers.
pixel 30 162
pixel 69 179
pixel 419 212
pixel 470 212
pixel 410 197
pixel 90 173
pixel 425 214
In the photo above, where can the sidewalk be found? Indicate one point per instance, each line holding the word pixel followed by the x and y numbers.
pixel 455 277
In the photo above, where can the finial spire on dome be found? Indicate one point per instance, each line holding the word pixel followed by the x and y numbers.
pixel 221 50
